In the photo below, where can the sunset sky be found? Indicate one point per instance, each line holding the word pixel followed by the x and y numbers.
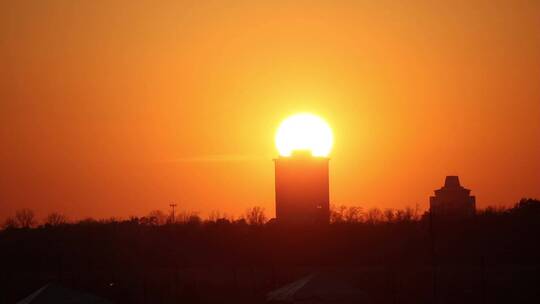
pixel 116 108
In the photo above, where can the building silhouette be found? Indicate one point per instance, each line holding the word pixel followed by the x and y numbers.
pixel 452 200
pixel 302 189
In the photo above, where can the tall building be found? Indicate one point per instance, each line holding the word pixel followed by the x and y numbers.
pixel 302 189
pixel 452 200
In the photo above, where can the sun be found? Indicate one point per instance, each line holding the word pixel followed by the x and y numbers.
pixel 304 131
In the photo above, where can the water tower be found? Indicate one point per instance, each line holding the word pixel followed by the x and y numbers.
pixel 302 189
pixel 301 171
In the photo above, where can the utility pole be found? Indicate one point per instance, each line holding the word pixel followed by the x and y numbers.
pixel 172 205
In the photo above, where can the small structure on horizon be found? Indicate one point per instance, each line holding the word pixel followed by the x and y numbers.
pixel 452 200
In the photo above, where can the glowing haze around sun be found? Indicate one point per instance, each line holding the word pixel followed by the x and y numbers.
pixel 304 132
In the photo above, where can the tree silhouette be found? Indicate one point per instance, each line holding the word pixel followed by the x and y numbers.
pixel 337 214
pixel 25 218
pixel 353 214
pixel 389 215
pixel 188 217
pixel 156 217
pixel 10 223
pixel 255 216
pixel 55 219
pixel 374 216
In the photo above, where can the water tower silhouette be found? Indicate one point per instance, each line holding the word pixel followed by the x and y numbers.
pixel 302 189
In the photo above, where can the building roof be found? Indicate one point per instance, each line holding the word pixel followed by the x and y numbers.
pixel 319 288
pixel 56 294
pixel 452 185
pixel 452 182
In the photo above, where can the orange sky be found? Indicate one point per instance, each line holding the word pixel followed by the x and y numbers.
pixel 115 108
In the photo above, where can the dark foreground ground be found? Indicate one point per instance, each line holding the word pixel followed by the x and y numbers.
pixel 492 258
pixel 454 284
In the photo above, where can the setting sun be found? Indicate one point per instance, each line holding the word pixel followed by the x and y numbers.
pixel 304 132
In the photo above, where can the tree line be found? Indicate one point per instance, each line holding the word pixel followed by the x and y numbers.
pixel 26 218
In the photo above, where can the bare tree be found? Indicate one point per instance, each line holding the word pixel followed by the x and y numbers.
pixel 374 216
pixel 337 214
pixel 25 218
pixel 406 215
pixel 56 219
pixel 410 214
pixel 255 216
pixel 188 216
pixel 389 215
pixel 194 219
pixel 353 214
pixel 216 216
pixel 10 223
pixel 157 217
